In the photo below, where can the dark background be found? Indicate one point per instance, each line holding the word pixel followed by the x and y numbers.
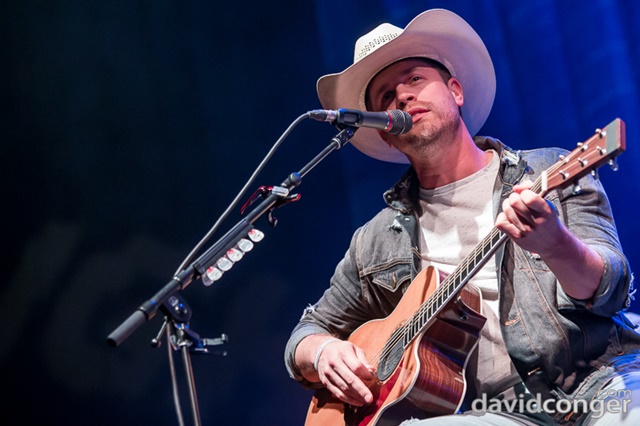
pixel 129 126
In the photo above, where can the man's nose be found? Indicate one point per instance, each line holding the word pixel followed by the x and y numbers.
pixel 403 96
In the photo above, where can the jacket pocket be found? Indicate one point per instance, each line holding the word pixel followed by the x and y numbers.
pixel 391 275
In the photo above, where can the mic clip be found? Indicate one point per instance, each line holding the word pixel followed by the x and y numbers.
pixel 343 126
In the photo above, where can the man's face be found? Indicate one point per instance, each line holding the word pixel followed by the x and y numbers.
pixel 413 86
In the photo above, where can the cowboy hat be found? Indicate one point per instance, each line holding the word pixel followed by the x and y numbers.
pixel 437 34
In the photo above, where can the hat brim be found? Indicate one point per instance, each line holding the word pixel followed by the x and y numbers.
pixel 436 34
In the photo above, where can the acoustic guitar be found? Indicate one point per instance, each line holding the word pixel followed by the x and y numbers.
pixel 420 351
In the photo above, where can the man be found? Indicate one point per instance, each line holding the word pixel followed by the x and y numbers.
pixel 551 295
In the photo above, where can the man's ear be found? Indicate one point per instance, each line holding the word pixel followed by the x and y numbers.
pixel 456 90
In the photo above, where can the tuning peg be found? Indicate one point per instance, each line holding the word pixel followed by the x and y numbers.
pixel 613 163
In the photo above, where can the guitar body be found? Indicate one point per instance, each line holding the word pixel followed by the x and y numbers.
pixel 428 379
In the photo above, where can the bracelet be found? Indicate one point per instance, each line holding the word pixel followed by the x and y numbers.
pixel 320 349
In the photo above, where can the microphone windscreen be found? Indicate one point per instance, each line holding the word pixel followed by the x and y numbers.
pixel 401 122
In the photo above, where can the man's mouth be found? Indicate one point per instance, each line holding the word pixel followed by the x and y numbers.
pixel 417 113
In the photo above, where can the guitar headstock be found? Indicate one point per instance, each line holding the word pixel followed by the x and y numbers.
pixel 602 147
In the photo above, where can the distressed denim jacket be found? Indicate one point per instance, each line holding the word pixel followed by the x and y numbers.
pixel 561 347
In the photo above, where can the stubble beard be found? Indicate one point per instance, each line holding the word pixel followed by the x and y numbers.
pixel 434 133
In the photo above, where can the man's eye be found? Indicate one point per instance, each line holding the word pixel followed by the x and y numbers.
pixel 415 78
pixel 386 97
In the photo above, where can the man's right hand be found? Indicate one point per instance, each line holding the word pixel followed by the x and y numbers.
pixel 342 368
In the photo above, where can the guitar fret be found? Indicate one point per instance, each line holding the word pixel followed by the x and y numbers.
pixel 496 238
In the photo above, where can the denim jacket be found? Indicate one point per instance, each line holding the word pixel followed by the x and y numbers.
pixel 561 347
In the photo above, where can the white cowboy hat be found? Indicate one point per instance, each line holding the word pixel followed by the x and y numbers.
pixel 437 34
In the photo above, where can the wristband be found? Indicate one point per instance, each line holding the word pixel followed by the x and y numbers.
pixel 319 351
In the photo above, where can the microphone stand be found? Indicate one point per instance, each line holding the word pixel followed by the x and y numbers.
pixel 181 338
pixel 166 299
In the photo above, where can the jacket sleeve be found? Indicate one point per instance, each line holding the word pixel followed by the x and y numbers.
pixel 339 311
pixel 588 215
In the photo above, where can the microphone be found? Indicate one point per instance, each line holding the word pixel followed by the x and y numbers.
pixel 394 121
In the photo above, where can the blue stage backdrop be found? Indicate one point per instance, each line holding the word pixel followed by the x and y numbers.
pixel 129 126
